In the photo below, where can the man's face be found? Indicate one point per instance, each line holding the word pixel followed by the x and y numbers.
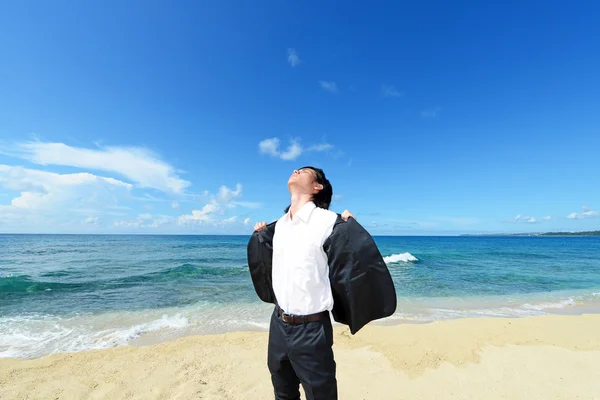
pixel 304 179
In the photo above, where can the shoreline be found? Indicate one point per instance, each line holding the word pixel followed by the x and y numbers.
pixel 537 357
pixel 34 338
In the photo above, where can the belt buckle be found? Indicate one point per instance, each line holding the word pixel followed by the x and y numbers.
pixel 286 317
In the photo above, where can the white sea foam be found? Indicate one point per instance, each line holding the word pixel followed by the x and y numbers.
pixel 428 310
pixel 34 336
pixel 544 306
pixel 120 337
pixel 261 325
pixel 404 257
pixel 30 336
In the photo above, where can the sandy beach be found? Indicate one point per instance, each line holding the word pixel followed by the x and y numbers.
pixel 547 357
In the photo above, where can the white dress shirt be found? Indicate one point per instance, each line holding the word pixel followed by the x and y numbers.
pixel 300 268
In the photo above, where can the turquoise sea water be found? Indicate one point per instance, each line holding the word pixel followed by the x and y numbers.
pixel 77 292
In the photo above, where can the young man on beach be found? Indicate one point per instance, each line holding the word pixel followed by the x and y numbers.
pixel 302 263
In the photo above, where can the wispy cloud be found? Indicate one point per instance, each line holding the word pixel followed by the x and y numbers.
pixel 69 202
pixel 390 91
pixel 320 147
pixel 271 147
pixel 431 112
pixel 247 204
pixel 587 213
pixel 294 150
pixel 522 219
pixel 48 198
pixel 329 86
pixel 145 221
pixel 246 221
pixel 91 221
pixel 547 218
pixel 215 207
pixel 293 58
pixel 142 167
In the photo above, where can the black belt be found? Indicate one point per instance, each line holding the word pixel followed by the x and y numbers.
pixel 300 319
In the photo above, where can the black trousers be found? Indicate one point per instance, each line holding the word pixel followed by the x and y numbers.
pixel 302 353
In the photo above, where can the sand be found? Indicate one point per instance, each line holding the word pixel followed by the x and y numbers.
pixel 547 357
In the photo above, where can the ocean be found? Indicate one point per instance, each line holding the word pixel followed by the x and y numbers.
pixel 68 293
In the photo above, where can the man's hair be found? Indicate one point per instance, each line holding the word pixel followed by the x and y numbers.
pixel 323 198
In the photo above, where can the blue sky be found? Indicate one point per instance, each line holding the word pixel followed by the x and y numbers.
pixel 188 117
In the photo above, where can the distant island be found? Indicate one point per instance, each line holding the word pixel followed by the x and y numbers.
pixel 585 233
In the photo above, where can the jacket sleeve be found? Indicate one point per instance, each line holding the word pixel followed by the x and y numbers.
pixel 362 287
pixel 260 262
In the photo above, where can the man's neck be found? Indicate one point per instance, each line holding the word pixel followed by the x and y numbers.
pixel 298 201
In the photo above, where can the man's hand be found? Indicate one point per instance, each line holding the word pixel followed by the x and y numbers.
pixel 260 226
pixel 347 214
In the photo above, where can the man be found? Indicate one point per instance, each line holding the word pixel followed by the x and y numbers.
pixel 309 263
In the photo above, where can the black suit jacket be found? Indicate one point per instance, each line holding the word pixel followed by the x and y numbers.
pixel 362 287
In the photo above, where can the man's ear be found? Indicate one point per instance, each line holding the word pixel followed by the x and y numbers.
pixel 319 187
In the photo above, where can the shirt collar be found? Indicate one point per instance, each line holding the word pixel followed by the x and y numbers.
pixel 304 212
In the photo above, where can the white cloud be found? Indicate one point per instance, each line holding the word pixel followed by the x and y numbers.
pixel 44 190
pixel 226 195
pixel 431 112
pixel 69 202
pixel 246 221
pixel 139 165
pixel 292 152
pixel 216 206
pixel 271 147
pixel 320 147
pixel 587 213
pixel 91 221
pixel 293 58
pixel 247 204
pixel 547 218
pixel 523 218
pixel 161 220
pixel 49 200
pixel 205 214
pixel 31 180
pixel 330 86
pixel 145 221
pixel 390 91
